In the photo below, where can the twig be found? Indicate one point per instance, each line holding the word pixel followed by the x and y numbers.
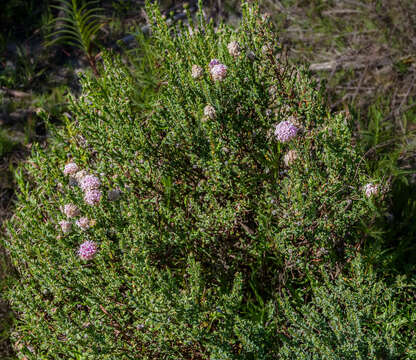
pixel 360 83
pixel 15 93
pixel 340 12
pixel 398 113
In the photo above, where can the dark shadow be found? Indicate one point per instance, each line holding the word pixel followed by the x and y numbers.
pixel 398 248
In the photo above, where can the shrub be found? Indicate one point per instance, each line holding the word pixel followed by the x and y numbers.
pixel 211 196
pixel 359 317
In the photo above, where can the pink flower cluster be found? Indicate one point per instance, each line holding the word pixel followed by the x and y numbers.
pixel 83 223
pixel 92 195
pixel 90 185
pixel 90 182
pixel 218 70
pixel 213 62
pixel 87 250
pixel 197 71
pixel 285 131
pixel 371 190
pixel 70 168
pixel 65 226
pixel 71 210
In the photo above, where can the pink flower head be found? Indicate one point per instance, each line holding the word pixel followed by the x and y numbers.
pixel 87 250
pixel 65 226
pixel 90 182
pixel 219 72
pixel 371 190
pixel 80 175
pixel 290 157
pixel 71 210
pixel 197 71
pixel 210 112
pixel 285 131
pixel 234 48
pixel 84 223
pixel 213 62
pixel 92 197
pixel 70 168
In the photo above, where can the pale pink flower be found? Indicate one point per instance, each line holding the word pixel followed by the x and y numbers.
pixel 92 197
pixel 71 210
pixel 371 190
pixel 80 175
pixel 65 226
pixel 209 111
pixel 213 62
pixel 290 157
pixel 70 168
pixel 87 250
pixel 266 48
pixel 84 223
pixel 219 72
pixel 90 182
pixel 234 48
pixel 197 71
pixel 285 131
pixel 272 90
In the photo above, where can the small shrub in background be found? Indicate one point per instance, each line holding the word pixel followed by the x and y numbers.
pixel 78 26
pixel 166 227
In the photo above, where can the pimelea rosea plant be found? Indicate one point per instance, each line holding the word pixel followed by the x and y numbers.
pixel 214 219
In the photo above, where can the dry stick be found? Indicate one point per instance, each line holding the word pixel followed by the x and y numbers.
pixel 340 12
pixel 397 112
pixel 358 4
pixel 360 83
pixel 401 110
pixel 333 71
pixel 15 93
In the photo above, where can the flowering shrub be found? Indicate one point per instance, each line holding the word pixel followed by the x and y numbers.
pixel 232 182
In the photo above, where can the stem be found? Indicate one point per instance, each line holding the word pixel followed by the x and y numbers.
pixel 93 64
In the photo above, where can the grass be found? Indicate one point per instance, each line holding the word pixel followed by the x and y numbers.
pixel 364 48
pixel 6 317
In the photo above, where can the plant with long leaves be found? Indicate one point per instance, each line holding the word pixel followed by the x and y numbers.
pixel 78 26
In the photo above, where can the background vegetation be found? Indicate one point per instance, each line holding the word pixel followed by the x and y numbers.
pixel 363 52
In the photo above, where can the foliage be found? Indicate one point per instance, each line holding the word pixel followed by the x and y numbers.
pixel 212 223
pixel 80 24
pixel 15 12
pixel 358 317
pixel 6 144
